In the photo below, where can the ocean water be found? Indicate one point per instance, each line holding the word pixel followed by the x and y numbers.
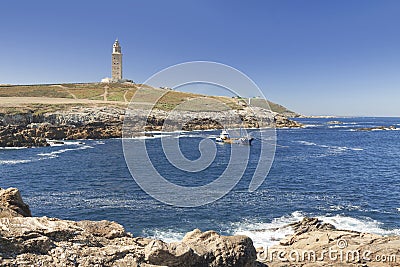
pixel 346 177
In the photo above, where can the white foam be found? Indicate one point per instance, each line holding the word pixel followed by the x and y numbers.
pixel 100 142
pixel 165 235
pixel 70 143
pixel 338 126
pixel 149 137
pixel 12 148
pixel 262 234
pixel 49 155
pixel 366 226
pixel 307 143
pixel 344 148
pixel 57 143
pixel 165 132
pixel 13 162
pixel 195 136
pixel 265 234
pixel 143 137
pixel 312 125
pixel 342 207
pixel 57 152
pixel 268 234
pixel 333 149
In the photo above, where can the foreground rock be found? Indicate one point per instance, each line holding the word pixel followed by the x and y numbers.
pixel 32 129
pixel 32 241
pixel 12 205
pixel 27 241
pixel 319 244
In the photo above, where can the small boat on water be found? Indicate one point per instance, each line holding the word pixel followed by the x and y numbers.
pixel 224 137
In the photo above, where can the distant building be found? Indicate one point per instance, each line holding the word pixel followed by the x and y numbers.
pixel 116 62
pixel 116 66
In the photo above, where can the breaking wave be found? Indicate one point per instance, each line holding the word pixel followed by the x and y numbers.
pixel 267 234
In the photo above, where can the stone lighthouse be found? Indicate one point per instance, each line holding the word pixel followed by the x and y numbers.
pixel 116 62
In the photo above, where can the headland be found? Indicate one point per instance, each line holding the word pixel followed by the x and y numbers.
pixel 33 114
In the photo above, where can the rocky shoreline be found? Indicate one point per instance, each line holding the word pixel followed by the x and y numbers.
pixel 32 129
pixel 43 241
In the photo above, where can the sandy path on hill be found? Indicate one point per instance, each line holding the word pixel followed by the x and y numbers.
pixel 21 101
pixel 17 101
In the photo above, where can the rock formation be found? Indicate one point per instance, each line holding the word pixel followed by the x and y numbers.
pixel 31 129
pixel 315 243
pixel 12 205
pixel 378 128
pixel 42 241
pixel 33 241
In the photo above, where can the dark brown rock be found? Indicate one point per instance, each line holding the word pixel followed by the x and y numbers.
pixel 27 130
pixel 12 205
pixel 283 122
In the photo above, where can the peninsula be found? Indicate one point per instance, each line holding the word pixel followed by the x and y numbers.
pixel 32 114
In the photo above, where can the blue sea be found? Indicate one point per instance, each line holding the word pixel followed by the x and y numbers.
pixel 345 177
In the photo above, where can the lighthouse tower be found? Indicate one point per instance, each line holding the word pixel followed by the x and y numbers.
pixel 116 62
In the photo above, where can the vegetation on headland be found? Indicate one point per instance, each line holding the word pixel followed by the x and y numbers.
pixel 105 94
pixel 32 114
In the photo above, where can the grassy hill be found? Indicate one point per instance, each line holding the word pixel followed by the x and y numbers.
pixel 14 98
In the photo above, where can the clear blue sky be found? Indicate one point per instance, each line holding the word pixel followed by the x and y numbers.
pixel 316 57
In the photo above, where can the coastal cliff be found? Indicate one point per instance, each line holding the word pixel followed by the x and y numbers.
pixel 34 129
pixel 43 241
pixel 32 114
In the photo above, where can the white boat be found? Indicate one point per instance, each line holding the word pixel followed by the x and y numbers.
pixel 224 137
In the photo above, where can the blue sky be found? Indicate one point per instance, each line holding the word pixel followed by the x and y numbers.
pixel 315 57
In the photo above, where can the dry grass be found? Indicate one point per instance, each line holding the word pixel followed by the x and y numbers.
pixel 34 91
pixel 122 93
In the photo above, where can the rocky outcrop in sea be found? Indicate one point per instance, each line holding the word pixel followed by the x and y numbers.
pixel 34 129
pixel 378 128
